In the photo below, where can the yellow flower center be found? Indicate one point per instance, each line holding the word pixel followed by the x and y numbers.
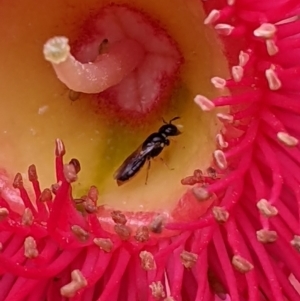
pixel 37 108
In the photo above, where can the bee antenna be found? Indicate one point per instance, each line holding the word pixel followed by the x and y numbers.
pixel 164 121
pixel 175 118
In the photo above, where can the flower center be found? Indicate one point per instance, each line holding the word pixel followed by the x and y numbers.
pixel 91 126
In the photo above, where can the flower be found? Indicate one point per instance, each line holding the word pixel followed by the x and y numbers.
pixel 235 231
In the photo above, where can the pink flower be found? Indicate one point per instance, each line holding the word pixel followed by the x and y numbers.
pixel 234 233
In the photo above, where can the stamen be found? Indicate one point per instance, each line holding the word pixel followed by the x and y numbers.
pixel 266 208
pixel 27 218
pixel 157 224
pixel 204 103
pixel 78 282
pixel 60 150
pixel 118 217
pixel 288 20
pixel 55 187
pixel 220 214
pixel 295 242
pixel 265 31
pixel 212 17
pixel 271 47
pixel 147 261
pixel 70 173
pixel 225 118
pixel 241 264
pixel 32 174
pixel 123 231
pixel 18 181
pixel 224 29
pixel 201 194
pixel 76 165
pixel 243 58
pixel 237 73
pixel 80 233
pixel 142 234
pixel 266 236
pixel 157 290
pixel 287 139
pixel 218 82
pixel 221 142
pixel 104 244
pixel 273 80
pixel 220 159
pixel 30 248
pixel 188 259
pixel 93 194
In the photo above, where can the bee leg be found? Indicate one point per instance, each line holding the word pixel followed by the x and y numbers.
pixel 165 164
pixel 148 167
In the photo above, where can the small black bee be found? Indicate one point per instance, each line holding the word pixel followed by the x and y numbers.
pixel 150 148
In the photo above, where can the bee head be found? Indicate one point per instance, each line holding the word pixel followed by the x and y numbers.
pixel 169 130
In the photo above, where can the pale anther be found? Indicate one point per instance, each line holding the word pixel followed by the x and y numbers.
pixel 273 80
pixel 271 47
pixel 266 236
pixel 201 194
pixel 147 261
pixel 243 58
pixel 237 73
pixel 265 31
pixel 224 29
pixel 27 217
pixel 266 209
pixel 220 214
pixel 287 139
pixel 295 242
pixel 204 103
pixel 157 290
pixel 78 282
pixel 70 173
pixel 225 118
pixel 60 148
pixel 212 17
pixel 221 141
pixel 104 244
pixel 30 248
pixel 218 82
pixel 80 233
pixel 188 259
pixel 220 159
pixel 241 264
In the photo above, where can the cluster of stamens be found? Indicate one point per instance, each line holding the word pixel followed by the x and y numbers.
pixel 257 142
pixel 252 184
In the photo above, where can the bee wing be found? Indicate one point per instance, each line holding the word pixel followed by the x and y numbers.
pixel 133 159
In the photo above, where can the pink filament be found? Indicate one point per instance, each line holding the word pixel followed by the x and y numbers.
pixel 258 166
